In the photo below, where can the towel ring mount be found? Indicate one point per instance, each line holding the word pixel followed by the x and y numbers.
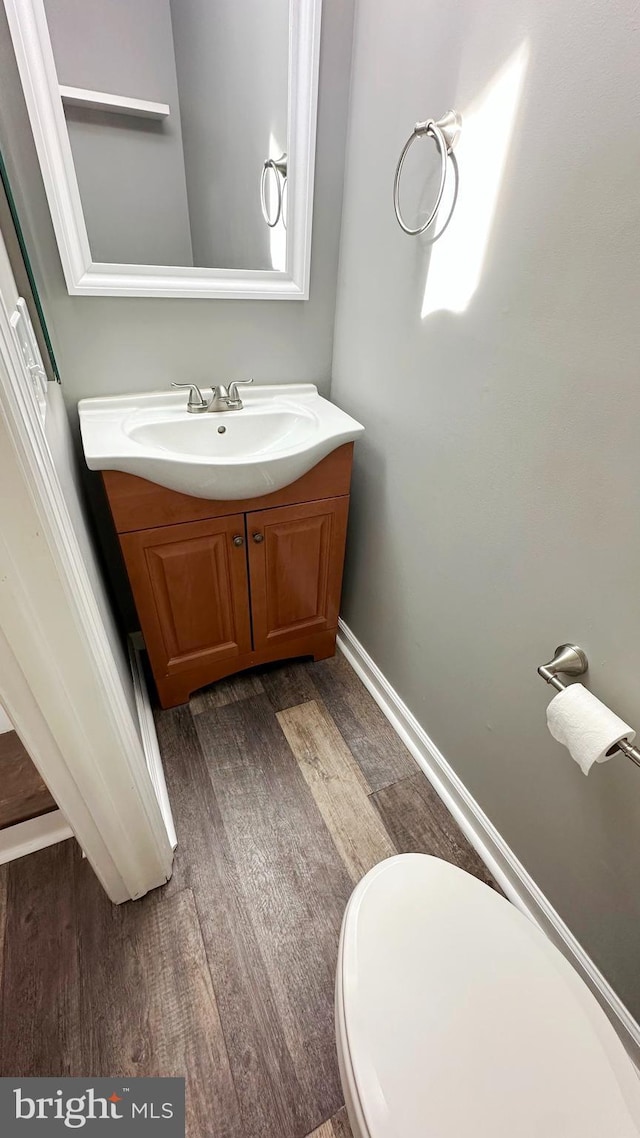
pixel 445 133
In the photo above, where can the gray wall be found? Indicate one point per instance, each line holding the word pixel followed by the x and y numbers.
pixel 130 170
pixel 112 344
pixel 232 67
pixel 496 498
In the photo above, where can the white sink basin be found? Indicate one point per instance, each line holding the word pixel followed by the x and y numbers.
pixel 282 431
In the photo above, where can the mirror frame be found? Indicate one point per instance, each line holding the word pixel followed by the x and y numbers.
pixel 84 277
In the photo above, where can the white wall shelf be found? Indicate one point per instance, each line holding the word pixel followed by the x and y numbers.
pixel 118 104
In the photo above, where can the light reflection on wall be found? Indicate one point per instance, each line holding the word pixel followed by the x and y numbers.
pixel 457 257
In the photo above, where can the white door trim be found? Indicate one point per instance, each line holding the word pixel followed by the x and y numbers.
pixel 59 681
pixel 509 872
pixel 148 732
pixel 27 837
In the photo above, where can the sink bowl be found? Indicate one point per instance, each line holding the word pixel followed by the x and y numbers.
pixel 282 431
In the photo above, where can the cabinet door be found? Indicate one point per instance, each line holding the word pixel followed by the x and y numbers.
pixel 296 555
pixel 191 591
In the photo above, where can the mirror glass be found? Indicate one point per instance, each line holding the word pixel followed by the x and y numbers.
pixel 177 114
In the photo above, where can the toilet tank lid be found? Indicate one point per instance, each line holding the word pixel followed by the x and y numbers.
pixel 459 1017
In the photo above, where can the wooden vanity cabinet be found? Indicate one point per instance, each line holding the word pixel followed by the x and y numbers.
pixel 222 586
pixel 190 586
pixel 295 570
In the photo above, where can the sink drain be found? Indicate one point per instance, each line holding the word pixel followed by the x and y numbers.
pixel 221 430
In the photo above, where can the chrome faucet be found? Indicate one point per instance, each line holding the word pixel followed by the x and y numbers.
pixel 222 398
pixel 227 399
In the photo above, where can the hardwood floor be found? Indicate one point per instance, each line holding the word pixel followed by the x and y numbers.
pixel 338 787
pixel 336 1127
pixel 23 794
pixel 287 784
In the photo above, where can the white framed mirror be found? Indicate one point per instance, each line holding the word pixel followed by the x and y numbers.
pixel 176 140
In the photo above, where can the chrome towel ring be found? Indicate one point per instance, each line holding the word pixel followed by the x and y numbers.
pixel 445 134
pixel 278 167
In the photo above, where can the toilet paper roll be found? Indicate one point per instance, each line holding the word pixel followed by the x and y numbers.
pixel 587 727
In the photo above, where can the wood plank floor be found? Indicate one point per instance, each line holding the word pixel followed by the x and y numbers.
pixel 287 784
pixel 23 794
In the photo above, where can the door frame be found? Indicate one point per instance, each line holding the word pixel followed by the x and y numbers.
pixel 59 680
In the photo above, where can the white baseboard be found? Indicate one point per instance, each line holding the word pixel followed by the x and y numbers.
pixel 27 837
pixel 500 859
pixel 149 736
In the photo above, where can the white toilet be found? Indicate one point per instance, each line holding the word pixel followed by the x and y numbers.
pixel 457 1018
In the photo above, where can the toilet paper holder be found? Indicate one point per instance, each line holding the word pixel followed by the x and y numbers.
pixel 572 661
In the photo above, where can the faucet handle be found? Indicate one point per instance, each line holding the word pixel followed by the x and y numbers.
pixel 233 389
pixel 196 399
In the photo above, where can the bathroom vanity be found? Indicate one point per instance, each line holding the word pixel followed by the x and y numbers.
pixel 221 586
pixel 238 577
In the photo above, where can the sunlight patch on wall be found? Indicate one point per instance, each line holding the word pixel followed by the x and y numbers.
pixel 457 257
pixel 277 235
